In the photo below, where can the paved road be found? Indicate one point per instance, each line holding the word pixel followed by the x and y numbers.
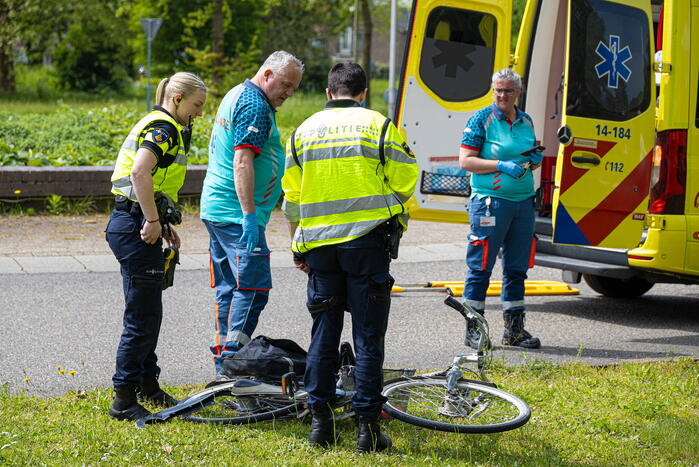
pixel 73 319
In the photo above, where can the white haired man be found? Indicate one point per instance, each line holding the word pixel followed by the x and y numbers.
pixel 242 186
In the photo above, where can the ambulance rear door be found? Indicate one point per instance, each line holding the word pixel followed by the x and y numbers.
pixel 540 61
pixel 452 51
pixel 607 133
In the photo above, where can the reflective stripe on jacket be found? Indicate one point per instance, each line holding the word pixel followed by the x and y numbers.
pixel 169 180
pixel 339 189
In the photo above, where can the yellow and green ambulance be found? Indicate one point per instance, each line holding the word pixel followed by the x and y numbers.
pixel 613 89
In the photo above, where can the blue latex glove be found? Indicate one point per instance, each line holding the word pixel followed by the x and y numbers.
pixel 511 168
pixel 251 233
pixel 536 157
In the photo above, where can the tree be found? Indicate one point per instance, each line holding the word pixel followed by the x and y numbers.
pixel 91 55
pixel 306 29
pixel 227 59
pixel 365 41
pixel 217 41
pixel 7 73
pixel 32 24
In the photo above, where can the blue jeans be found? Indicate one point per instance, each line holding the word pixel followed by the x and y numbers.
pixel 351 276
pixel 242 280
pixel 514 232
pixel 142 278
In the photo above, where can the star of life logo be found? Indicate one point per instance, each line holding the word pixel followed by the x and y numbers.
pixel 613 64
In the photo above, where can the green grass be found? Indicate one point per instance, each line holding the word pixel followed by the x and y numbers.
pixel 630 414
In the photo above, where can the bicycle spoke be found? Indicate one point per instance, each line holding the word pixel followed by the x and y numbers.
pixel 467 405
pixel 227 405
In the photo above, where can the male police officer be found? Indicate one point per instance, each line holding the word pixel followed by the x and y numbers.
pixel 242 186
pixel 348 175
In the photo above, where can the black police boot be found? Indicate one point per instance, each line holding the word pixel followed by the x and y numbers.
pixel 515 334
pixel 370 437
pixel 473 336
pixel 126 406
pixel 323 431
pixel 150 391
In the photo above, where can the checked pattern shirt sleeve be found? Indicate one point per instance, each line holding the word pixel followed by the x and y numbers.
pixel 474 133
pixel 252 123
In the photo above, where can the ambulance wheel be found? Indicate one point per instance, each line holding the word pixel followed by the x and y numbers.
pixel 618 288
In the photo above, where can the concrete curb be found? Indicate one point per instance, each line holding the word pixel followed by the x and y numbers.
pixel 279 259
pixel 17 182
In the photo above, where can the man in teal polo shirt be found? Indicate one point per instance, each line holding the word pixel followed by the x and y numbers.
pixel 242 186
pixel 501 209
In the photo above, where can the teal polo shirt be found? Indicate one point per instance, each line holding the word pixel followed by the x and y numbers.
pixel 245 120
pixel 490 132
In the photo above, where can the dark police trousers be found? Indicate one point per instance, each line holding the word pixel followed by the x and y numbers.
pixel 351 276
pixel 142 274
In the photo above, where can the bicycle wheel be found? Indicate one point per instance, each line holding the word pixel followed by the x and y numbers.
pixel 229 405
pixel 470 408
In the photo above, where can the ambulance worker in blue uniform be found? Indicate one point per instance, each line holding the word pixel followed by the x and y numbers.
pixel 241 188
pixel 501 208
pixel 152 160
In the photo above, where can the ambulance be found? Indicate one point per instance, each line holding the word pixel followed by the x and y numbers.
pixel 613 89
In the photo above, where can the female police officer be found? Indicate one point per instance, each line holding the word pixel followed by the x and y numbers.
pixel 501 209
pixel 152 160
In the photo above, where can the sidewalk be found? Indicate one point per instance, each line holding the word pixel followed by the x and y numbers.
pixel 55 244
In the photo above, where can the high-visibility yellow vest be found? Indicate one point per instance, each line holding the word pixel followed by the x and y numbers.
pixel 335 185
pixel 169 180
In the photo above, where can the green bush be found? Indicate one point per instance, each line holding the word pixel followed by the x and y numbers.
pixel 74 137
pixel 93 56
pixel 315 76
pixel 38 82
pixel 379 70
pixel 67 137
pixel 87 133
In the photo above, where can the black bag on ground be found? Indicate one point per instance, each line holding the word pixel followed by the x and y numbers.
pixel 266 359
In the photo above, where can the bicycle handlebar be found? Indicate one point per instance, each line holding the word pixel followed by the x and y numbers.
pixel 484 345
pixel 455 304
pixel 464 310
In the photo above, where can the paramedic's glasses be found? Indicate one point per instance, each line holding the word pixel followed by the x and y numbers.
pixel 504 91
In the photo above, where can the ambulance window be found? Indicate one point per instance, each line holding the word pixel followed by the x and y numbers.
pixel 609 68
pixel 458 53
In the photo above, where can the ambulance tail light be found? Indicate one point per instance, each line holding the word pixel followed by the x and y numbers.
pixel 669 180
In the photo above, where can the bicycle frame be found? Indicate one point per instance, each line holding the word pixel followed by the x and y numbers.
pixel 290 390
pixel 482 357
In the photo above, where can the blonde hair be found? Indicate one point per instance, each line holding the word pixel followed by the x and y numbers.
pixel 182 82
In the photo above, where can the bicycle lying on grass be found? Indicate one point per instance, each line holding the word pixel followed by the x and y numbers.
pixel 444 401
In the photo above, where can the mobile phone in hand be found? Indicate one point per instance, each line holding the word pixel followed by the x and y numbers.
pixel 529 151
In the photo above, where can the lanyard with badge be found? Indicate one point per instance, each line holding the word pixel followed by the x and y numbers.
pixel 488 220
